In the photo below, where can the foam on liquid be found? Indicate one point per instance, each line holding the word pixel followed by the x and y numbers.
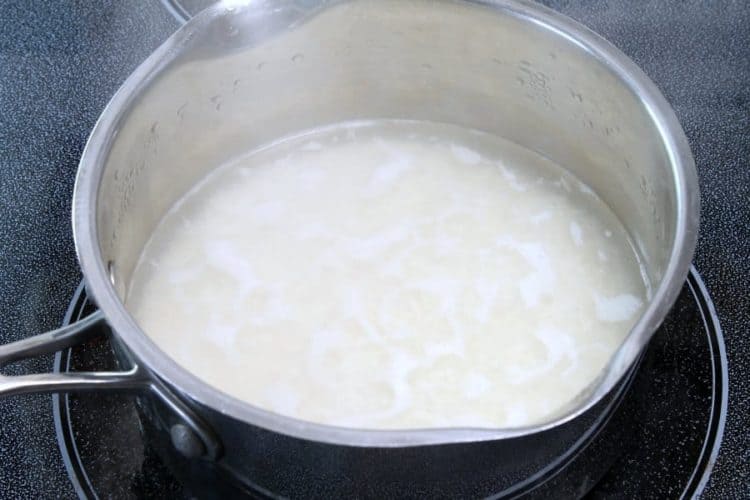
pixel 391 275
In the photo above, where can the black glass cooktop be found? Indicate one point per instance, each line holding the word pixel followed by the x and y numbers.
pixel 60 62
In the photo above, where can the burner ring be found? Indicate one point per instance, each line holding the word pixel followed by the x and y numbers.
pixel 719 363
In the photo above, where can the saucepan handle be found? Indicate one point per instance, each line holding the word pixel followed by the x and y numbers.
pixel 191 435
pixel 56 340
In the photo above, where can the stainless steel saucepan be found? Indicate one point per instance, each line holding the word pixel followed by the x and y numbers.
pixel 241 74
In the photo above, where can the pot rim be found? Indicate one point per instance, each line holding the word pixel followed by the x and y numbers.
pixel 98 283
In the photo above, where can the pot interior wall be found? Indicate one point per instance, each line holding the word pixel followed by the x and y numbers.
pixel 254 76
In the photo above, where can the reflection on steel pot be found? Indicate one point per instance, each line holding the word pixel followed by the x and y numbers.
pixel 240 75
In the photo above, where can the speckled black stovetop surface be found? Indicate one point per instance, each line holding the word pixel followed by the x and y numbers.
pixel 60 61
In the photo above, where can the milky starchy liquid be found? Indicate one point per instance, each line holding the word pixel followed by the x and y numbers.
pixel 392 275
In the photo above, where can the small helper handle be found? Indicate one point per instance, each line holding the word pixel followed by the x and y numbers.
pixel 190 433
pixel 56 340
